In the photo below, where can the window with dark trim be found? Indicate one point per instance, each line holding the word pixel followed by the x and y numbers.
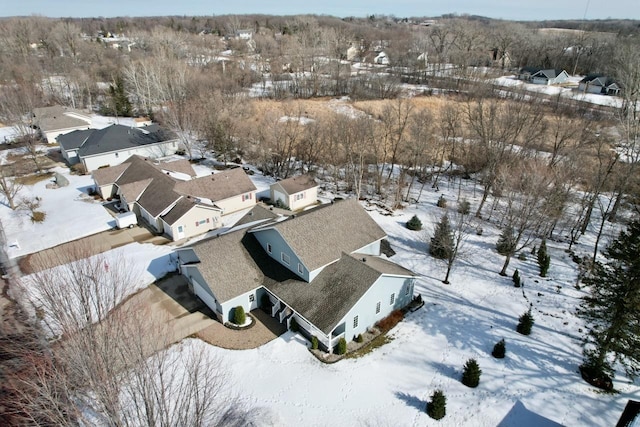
pixel 355 322
pixel 252 298
pixel 378 307
pixel 285 258
pixel 392 299
pixel 269 247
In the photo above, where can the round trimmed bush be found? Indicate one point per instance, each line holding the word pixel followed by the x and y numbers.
pixel 437 406
pixel 499 350
pixel 471 373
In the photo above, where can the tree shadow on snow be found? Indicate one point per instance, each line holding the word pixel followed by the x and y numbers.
pixel 411 400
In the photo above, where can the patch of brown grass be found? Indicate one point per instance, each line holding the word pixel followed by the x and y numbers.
pixel 34 179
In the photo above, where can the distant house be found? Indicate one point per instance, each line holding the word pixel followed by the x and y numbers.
pixel 543 77
pixel 321 268
pixel 296 193
pixel 597 83
pixel 114 144
pixel 381 59
pixel 353 53
pixel 168 197
pixel 59 120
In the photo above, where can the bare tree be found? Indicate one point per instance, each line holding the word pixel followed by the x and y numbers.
pixel 9 187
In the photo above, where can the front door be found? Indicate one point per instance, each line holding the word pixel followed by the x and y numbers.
pixel 180 232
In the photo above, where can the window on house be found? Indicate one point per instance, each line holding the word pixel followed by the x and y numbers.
pixel 252 298
pixel 285 258
pixel 378 307
pixel 355 322
pixel 392 299
pixel 406 291
pixel 300 268
pixel 269 247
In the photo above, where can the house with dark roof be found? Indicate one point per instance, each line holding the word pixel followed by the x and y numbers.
pixel 600 84
pixel 59 120
pixel 296 193
pixel 543 77
pixel 168 196
pixel 110 146
pixel 322 268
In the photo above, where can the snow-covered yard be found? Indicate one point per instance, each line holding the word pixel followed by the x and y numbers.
pixel 536 384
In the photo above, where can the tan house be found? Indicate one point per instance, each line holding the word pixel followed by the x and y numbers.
pixel 167 197
pixel 296 193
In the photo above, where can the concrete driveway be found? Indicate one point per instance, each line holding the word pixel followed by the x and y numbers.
pixel 186 315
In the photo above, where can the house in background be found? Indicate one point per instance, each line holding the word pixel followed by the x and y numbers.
pixel 96 148
pixel 321 267
pixel 59 120
pixel 296 193
pixel 543 77
pixel 597 83
pixel 168 197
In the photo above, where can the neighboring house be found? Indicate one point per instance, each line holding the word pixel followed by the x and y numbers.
pixel 166 195
pixel 381 59
pixel 58 120
pixel 597 83
pixel 322 268
pixel 353 54
pixel 543 77
pixel 110 146
pixel 296 193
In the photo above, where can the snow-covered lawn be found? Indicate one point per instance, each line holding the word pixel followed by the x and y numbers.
pixel 70 214
pixel 536 384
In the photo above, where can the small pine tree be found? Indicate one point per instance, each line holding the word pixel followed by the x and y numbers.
pixel 544 259
pixel 516 278
pixel 239 316
pixel 442 241
pixel 414 223
pixel 464 207
pixel 506 244
pixel 499 350
pixel 437 406
pixel 525 323
pixel 359 338
pixel 314 342
pixel 471 373
pixel 442 202
pixel 342 346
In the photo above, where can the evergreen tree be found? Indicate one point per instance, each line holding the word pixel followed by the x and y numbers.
pixel 544 259
pixel 342 346
pixel 120 104
pixel 239 316
pixel 506 244
pixel 437 407
pixel 516 278
pixel 442 241
pixel 525 323
pixel 612 308
pixel 471 373
pixel 499 350
pixel 414 223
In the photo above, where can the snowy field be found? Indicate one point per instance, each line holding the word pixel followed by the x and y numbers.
pixel 537 384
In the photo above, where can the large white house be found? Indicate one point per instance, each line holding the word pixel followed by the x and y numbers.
pixel 59 120
pixel 321 267
pixel 98 148
pixel 296 193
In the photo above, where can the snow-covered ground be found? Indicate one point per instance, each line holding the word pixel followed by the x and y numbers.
pixel 565 92
pixel 536 384
pixel 70 214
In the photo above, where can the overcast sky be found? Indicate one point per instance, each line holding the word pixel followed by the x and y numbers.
pixel 506 9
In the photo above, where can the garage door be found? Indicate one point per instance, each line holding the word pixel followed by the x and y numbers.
pixel 205 295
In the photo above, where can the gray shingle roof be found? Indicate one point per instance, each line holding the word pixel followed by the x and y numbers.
pixel 180 166
pixel 183 206
pixel 118 137
pixel 330 296
pixel 297 184
pixel 319 236
pixel 219 186
pixel 74 140
pixel 257 213
pixel 59 117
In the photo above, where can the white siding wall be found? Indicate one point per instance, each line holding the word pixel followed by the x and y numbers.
pixel 236 203
pixel 115 158
pixel 197 214
pixel 309 197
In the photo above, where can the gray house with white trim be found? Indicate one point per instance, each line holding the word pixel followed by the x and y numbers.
pixel 322 267
pixel 541 76
pixel 111 146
